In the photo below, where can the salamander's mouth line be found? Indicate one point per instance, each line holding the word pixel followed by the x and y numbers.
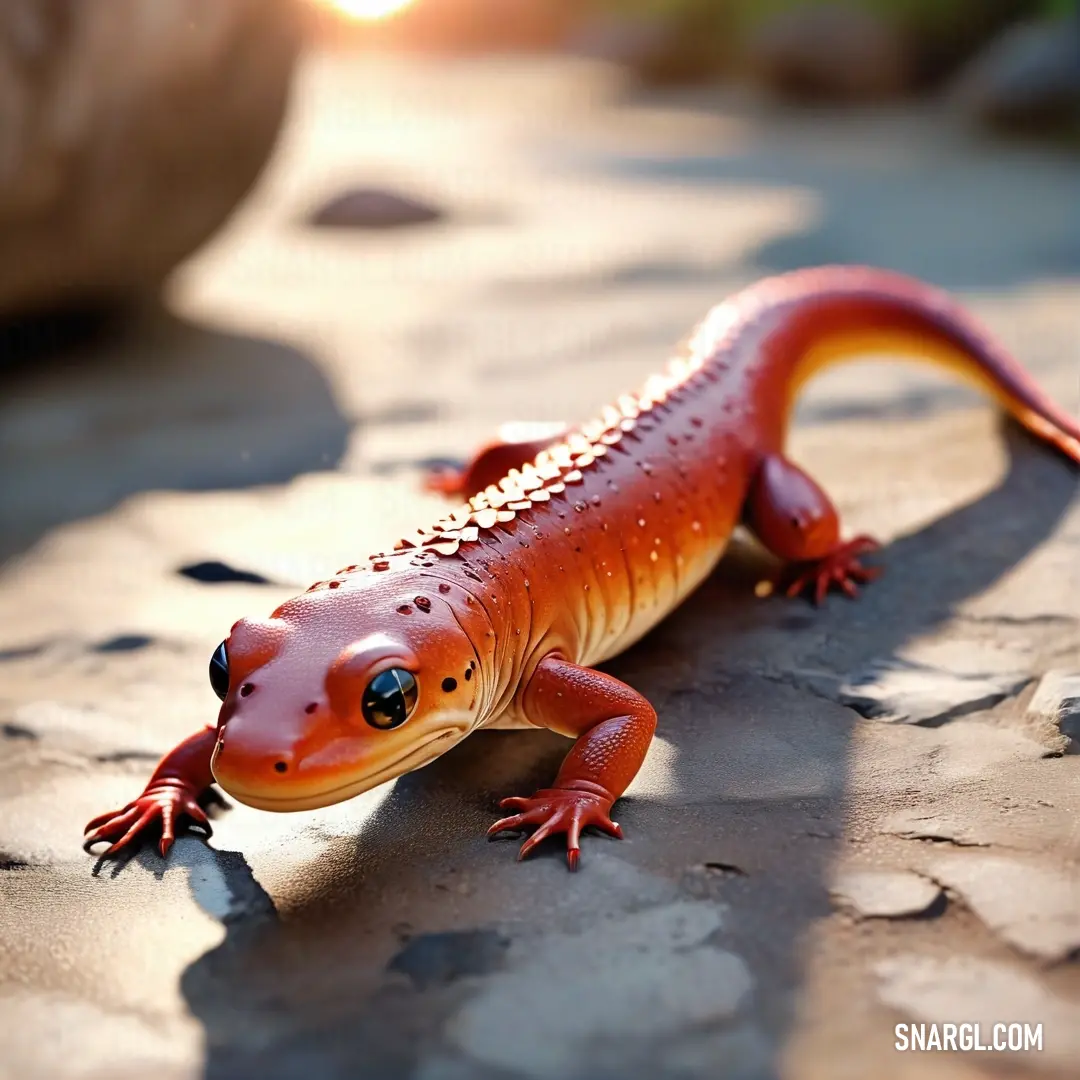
pixel 315 800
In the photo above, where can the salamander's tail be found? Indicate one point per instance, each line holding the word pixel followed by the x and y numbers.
pixel 838 313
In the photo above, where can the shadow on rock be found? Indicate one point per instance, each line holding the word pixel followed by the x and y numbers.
pixel 92 417
pixel 419 949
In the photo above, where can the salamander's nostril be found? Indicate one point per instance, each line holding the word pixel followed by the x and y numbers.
pixel 246 689
pixel 309 709
pixel 280 766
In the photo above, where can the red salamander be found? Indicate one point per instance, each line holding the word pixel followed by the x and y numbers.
pixel 566 553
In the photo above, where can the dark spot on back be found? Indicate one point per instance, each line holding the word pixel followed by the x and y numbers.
pixel 449 684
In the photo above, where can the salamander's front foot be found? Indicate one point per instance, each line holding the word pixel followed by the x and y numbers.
pixel 841 568
pixel 558 810
pixel 156 810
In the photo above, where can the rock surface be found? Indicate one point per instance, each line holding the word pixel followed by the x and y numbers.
pixel 113 170
pixel 1034 908
pixel 1056 701
pixel 884 893
pixel 299 382
pixel 935 684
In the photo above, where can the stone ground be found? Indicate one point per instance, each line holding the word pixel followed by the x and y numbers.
pixel 851 817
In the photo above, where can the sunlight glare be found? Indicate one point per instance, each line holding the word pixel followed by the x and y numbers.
pixel 366 10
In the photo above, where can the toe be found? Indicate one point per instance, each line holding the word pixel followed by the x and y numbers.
pixel 573 834
pixel 821 589
pixel 542 833
pixel 515 802
pixel 516 821
pixel 197 814
pixel 612 828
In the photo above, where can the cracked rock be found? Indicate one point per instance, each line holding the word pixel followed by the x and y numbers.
pixel 1035 908
pixel 1057 701
pixel 916 824
pixel 891 894
pixel 934 685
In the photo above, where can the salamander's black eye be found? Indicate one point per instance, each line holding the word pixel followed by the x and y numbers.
pixel 389 698
pixel 219 671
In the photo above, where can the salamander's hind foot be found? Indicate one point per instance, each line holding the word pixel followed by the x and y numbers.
pixel 554 811
pixel 446 479
pixel 840 567
pixel 155 812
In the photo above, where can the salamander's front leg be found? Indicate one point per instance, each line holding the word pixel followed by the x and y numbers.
pixel 182 775
pixel 514 446
pixel 613 725
pixel 796 521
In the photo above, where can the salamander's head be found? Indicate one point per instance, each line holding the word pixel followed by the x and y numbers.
pixel 342 689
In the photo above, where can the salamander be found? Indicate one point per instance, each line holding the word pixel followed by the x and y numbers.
pixel 569 548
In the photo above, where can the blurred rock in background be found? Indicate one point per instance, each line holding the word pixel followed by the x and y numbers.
pixel 1028 79
pixel 661 44
pixel 817 49
pixel 829 51
pixel 843 51
pixel 129 130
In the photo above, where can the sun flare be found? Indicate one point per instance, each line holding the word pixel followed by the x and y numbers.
pixel 366 10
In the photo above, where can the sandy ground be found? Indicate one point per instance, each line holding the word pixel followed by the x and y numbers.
pixel 796 878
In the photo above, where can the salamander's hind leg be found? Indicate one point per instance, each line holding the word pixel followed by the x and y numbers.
pixel 796 521
pixel 613 725
pixel 514 446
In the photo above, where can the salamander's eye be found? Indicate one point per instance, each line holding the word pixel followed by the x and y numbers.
pixel 389 698
pixel 219 671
